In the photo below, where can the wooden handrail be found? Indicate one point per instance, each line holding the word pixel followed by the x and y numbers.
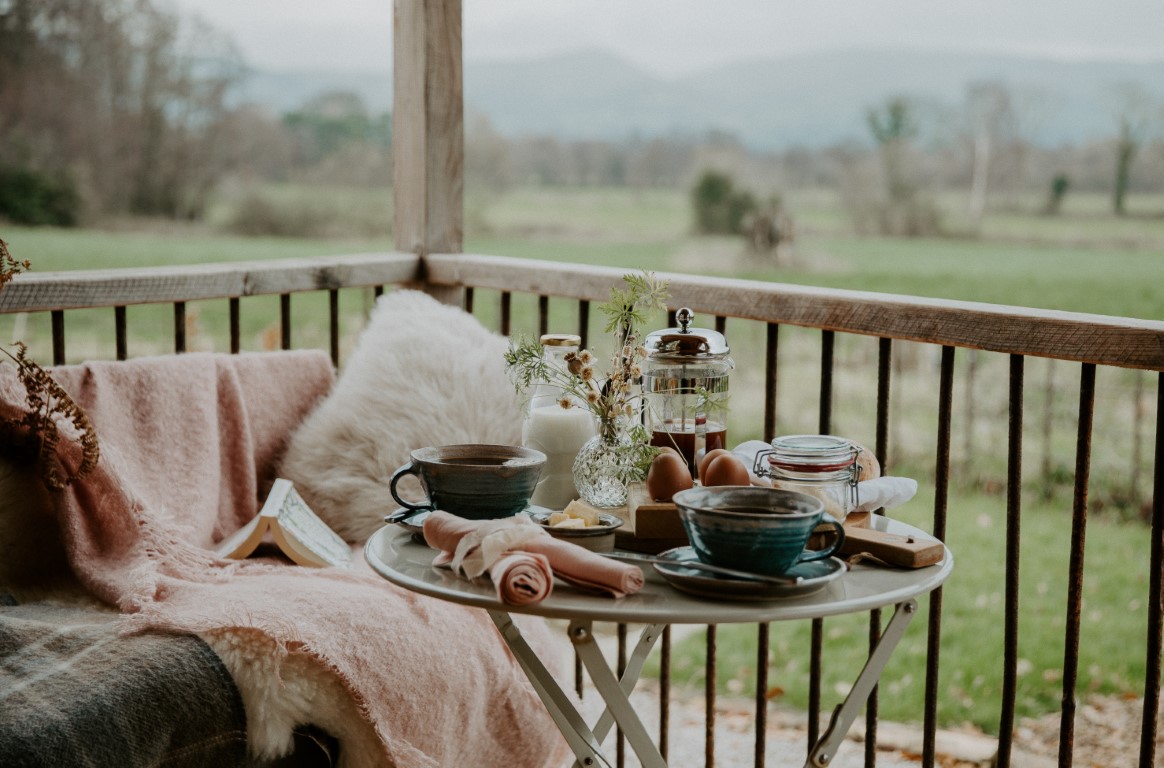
pixel 80 289
pixel 1100 339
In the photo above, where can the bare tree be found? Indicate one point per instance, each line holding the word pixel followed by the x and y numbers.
pixel 116 94
pixel 990 117
pixel 1133 107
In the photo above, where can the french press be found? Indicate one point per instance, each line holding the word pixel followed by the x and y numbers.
pixel 685 388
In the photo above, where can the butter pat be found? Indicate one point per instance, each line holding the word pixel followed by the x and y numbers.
pixel 581 510
pixel 569 522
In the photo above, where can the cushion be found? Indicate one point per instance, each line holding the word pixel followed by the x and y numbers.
pixel 422 373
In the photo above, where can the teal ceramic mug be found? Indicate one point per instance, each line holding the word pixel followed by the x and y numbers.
pixel 754 528
pixel 474 481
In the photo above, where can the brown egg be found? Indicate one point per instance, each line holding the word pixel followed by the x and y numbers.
pixel 667 476
pixel 708 458
pixel 726 470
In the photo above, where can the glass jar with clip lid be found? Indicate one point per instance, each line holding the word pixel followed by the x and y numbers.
pixel 824 466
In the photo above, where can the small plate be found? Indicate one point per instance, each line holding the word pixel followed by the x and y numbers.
pixel 597 538
pixel 812 577
pixel 415 523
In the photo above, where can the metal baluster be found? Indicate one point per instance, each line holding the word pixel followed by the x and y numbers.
pixel 506 311
pixel 709 699
pixel 1155 596
pixel 1075 570
pixel 771 365
pixel 543 315
pixel 469 299
pixel 1013 529
pixel 58 322
pixel 620 742
pixel 334 324
pixel 584 321
pixel 179 327
pixel 285 320
pixel 235 326
pixel 884 369
pixel 828 340
pixel 664 691
pixel 762 643
pixel 120 332
pixel 941 495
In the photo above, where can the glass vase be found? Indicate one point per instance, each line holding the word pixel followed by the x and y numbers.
pixel 603 468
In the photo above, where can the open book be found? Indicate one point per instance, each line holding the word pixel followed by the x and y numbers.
pixel 297 531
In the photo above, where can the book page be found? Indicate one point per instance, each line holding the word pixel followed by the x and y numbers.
pixel 243 542
pixel 301 524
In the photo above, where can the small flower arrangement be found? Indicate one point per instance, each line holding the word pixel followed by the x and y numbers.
pixel 612 399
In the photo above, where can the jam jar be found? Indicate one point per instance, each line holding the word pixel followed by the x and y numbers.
pixel 824 466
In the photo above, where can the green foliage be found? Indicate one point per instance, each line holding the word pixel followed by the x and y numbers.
pixel 1059 186
pixel 37 199
pixel 628 307
pixel 334 120
pixel 719 207
pixel 893 122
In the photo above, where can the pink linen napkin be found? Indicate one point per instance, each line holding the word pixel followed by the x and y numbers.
pixel 570 562
pixel 522 578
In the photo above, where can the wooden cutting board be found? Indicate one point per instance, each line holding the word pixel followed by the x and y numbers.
pixel 889 548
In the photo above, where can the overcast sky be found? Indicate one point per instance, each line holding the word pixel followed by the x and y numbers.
pixel 681 35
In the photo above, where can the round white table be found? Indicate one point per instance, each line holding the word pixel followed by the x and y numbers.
pixel 394 554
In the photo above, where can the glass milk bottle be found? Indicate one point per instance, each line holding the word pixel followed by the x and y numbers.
pixel 556 431
pixel 685 387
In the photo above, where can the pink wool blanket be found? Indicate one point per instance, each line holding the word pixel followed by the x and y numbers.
pixel 188 446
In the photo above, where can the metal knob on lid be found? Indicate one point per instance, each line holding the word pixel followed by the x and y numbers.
pixel 685 342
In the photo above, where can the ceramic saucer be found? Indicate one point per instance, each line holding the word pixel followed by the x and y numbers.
pixel 812 577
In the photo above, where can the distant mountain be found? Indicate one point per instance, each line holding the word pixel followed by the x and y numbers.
pixel 806 100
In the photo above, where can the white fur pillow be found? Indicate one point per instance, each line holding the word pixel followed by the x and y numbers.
pixel 422 373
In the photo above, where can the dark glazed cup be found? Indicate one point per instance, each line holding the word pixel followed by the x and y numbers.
pixel 754 528
pixel 474 481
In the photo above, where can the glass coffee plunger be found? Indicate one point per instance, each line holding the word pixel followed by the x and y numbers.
pixel 685 387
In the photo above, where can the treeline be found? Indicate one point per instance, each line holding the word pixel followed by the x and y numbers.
pixel 120 107
pixel 102 110
pixel 887 181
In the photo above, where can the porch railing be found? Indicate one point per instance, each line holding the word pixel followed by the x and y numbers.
pixel 764 311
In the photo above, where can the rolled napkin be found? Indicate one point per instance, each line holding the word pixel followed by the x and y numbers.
pixel 521 578
pixel 472 546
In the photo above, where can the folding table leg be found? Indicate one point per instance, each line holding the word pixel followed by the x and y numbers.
pixel 578 735
pixel 630 676
pixel 844 715
pixel 617 703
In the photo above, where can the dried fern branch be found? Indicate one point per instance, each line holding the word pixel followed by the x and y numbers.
pixel 10 267
pixel 37 432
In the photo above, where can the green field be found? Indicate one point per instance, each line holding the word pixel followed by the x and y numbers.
pixel 1084 261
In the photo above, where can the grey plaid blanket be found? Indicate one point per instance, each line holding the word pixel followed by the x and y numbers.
pixel 75 693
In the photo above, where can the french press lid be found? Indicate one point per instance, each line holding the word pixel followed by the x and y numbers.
pixel 685 344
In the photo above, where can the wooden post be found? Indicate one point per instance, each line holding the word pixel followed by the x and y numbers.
pixel 428 144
